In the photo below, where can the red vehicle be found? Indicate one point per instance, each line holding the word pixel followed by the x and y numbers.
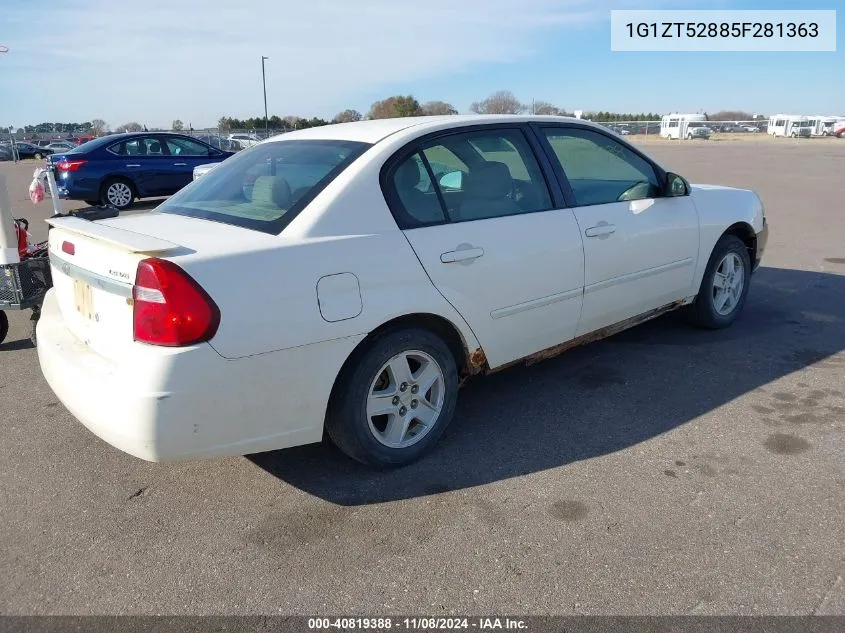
pixel 84 139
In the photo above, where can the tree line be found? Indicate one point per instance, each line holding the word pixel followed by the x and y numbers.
pixel 499 102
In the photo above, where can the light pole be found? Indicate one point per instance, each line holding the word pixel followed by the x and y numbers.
pixel 5 49
pixel 264 83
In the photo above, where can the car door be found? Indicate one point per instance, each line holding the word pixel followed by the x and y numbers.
pixel 492 236
pixel 640 245
pixel 185 154
pixel 143 160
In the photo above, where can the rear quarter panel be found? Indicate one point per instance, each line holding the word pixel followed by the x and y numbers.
pixel 268 298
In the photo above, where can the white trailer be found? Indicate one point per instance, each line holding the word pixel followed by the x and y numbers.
pixel 676 125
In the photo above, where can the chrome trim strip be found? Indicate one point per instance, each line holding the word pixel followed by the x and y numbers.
pixel 607 283
pixel 96 280
pixel 535 303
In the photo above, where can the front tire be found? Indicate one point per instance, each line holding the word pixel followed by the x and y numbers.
pixel 395 400
pixel 38 156
pixel 118 192
pixel 724 287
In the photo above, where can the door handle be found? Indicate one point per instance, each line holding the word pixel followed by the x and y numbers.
pixel 461 255
pixel 133 165
pixel 600 230
pixel 180 164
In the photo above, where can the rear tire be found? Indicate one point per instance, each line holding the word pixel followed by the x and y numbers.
pixel 409 375
pixel 118 192
pixel 724 287
pixel 4 326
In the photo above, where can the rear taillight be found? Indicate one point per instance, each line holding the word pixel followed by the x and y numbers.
pixel 169 307
pixel 69 165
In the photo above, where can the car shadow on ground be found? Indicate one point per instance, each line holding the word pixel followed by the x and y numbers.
pixel 11 346
pixel 607 396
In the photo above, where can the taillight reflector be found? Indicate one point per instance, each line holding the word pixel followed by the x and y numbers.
pixel 69 248
pixel 169 307
pixel 69 165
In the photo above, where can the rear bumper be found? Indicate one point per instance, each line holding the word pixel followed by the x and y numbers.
pixel 73 186
pixel 163 404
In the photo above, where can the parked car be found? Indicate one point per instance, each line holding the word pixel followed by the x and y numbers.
pixel 202 170
pixel 120 168
pixel 220 142
pixel 28 150
pixel 245 140
pixel 322 278
pixel 6 152
pixel 60 146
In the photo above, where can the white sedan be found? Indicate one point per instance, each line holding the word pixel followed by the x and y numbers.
pixel 352 276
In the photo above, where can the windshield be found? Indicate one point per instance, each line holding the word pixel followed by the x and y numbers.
pixel 266 186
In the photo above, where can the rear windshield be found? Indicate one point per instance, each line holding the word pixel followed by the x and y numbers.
pixel 265 186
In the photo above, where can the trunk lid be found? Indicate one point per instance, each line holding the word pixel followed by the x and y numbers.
pixel 94 266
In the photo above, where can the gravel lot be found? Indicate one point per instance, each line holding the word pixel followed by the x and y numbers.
pixel 664 471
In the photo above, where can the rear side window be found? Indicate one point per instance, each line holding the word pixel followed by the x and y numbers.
pixel 142 146
pixel 477 175
pixel 266 186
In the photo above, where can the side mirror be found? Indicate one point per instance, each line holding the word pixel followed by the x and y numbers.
pixel 676 186
pixel 451 180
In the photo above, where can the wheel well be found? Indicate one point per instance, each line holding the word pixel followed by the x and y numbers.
pixel 431 322
pixel 744 232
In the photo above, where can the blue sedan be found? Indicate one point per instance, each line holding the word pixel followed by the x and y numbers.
pixel 120 168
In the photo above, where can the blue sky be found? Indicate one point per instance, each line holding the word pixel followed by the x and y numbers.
pixel 197 60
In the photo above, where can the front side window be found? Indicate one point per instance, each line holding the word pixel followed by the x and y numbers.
pixel 266 186
pixel 187 147
pixel 601 170
pixel 477 175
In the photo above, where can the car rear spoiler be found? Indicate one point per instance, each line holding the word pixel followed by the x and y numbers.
pixel 129 240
